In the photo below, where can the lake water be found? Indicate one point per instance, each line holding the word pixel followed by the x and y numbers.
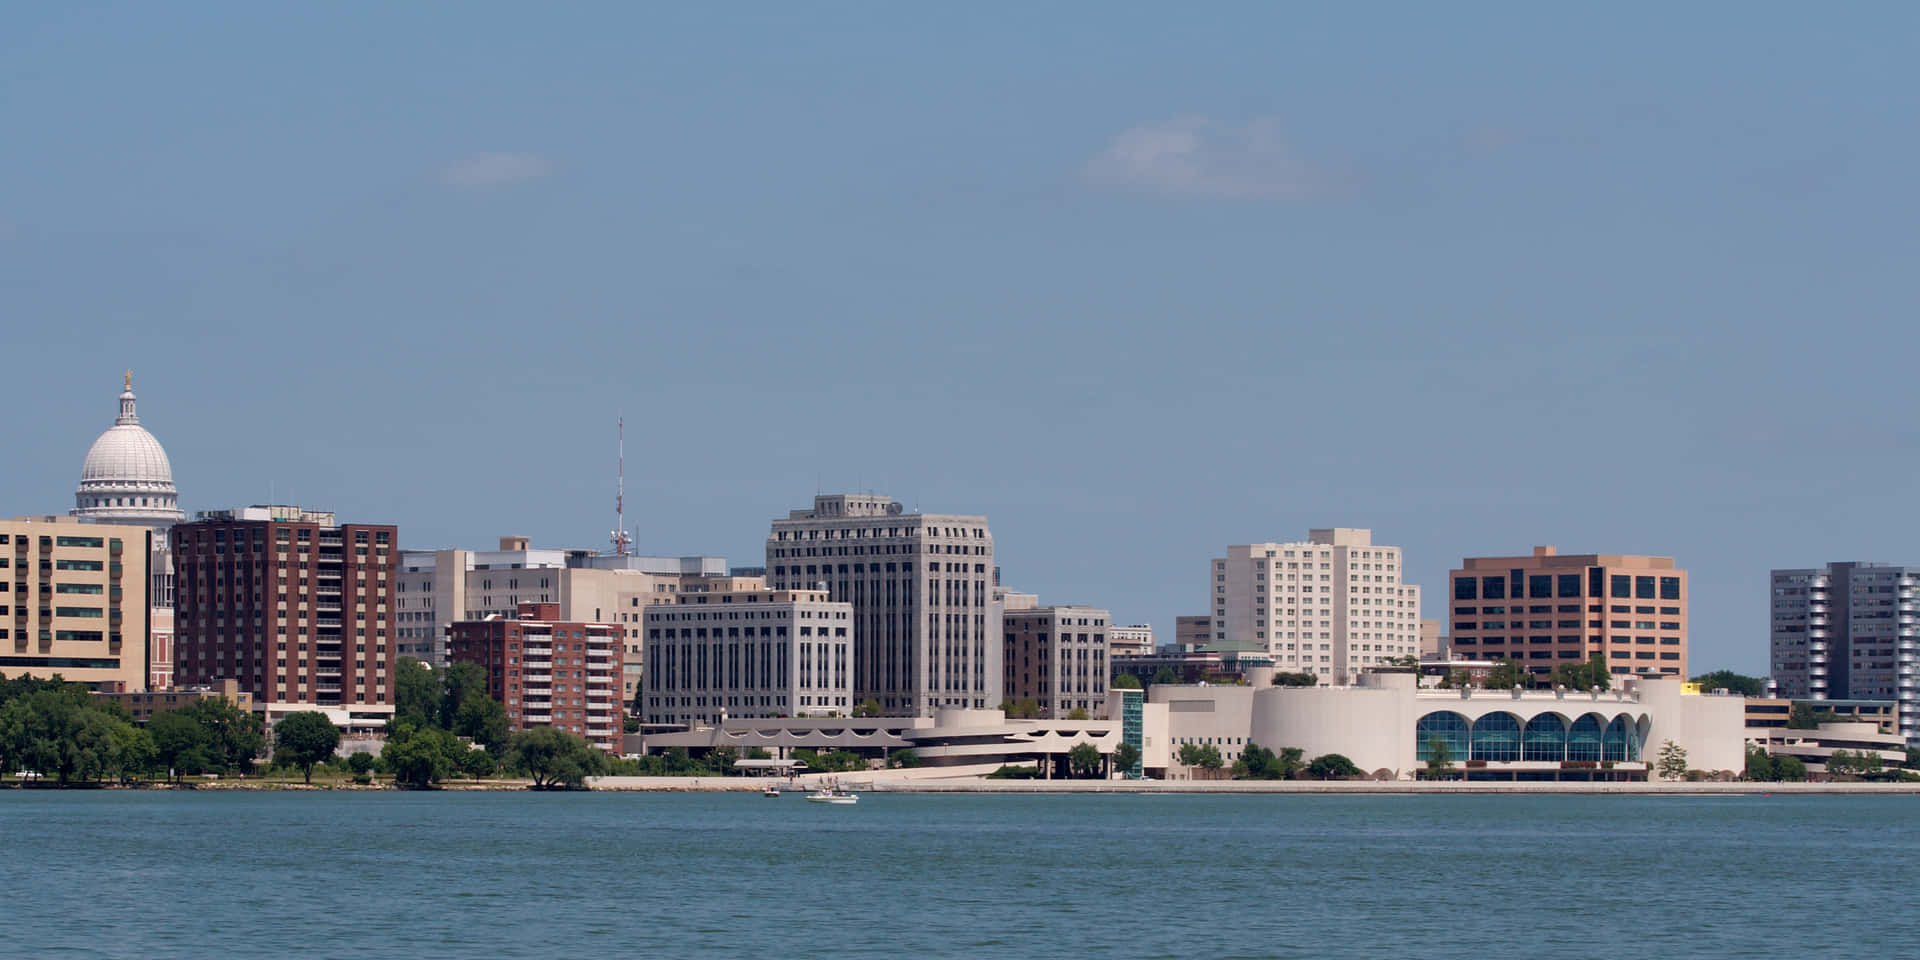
pixel 207 874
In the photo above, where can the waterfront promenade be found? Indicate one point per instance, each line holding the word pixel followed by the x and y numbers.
pixel 881 782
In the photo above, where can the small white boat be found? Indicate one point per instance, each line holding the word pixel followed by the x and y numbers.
pixel 832 796
pixel 772 791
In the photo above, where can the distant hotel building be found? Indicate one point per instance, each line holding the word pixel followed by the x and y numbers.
pixel 925 636
pixel 73 602
pixel 726 653
pixel 549 672
pixel 1194 633
pixel 1135 640
pixel 1847 631
pixel 1058 656
pixel 1333 605
pixel 296 607
pixel 1549 609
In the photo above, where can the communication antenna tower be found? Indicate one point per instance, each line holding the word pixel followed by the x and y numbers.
pixel 621 540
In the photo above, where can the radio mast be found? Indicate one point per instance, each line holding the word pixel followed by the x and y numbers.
pixel 621 541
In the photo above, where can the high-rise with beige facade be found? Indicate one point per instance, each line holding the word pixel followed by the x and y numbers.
pixel 73 602
pixel 718 651
pixel 925 633
pixel 1333 605
pixel 1058 657
pixel 1551 608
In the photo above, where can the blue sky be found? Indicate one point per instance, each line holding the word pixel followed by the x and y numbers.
pixel 1135 285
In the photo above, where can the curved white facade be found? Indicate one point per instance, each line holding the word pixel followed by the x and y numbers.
pixel 1388 724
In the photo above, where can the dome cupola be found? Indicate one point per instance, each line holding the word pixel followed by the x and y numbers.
pixel 126 477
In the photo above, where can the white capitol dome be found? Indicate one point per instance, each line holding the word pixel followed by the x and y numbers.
pixel 127 478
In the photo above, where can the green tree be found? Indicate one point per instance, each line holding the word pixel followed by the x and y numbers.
pixel 235 736
pixel 416 693
pixel 556 759
pixel 722 758
pixel 1732 683
pixel 478 762
pixel 1759 765
pixel 1258 763
pixel 1126 681
pixel 867 708
pixel 1126 759
pixel 182 744
pixel 362 766
pixel 137 754
pixel 1407 662
pixel 1439 759
pixel 459 683
pixel 1084 760
pixel 483 720
pixel 1790 769
pixel 1025 708
pixel 1165 675
pixel 1506 674
pixel 1913 758
pixel 304 739
pixel 1332 766
pixel 420 757
pixel 1197 755
pixel 1283 678
pixel 903 759
pixel 1584 676
pixel 1801 717
pixel 1672 761
pixel 1077 713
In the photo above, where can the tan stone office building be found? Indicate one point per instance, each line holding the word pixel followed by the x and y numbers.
pixel 1551 608
pixel 73 601
pixel 717 653
pixel 1059 657
pixel 926 632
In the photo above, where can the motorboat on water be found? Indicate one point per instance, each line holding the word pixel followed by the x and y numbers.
pixel 832 795
pixel 773 790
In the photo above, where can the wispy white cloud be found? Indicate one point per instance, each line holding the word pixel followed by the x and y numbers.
pixel 483 171
pixel 1193 156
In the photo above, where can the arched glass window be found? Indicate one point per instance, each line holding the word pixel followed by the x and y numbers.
pixel 1622 743
pixel 1545 739
pixel 1583 740
pixel 1496 738
pixel 1446 727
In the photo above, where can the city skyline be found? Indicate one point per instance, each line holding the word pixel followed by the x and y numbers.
pixel 1135 285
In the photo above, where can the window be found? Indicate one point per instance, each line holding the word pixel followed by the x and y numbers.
pixel 1669 588
pixel 1569 584
pixel 1463 588
pixel 1643 587
pixel 1493 588
pixel 1540 585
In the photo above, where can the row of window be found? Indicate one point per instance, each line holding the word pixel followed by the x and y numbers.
pixel 1519 583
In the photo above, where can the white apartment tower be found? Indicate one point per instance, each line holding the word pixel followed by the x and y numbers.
pixel 1333 605
pixel 921 586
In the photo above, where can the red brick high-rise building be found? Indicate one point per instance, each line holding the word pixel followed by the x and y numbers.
pixel 291 604
pixel 549 673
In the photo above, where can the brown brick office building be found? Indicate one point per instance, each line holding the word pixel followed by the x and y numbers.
pixel 291 604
